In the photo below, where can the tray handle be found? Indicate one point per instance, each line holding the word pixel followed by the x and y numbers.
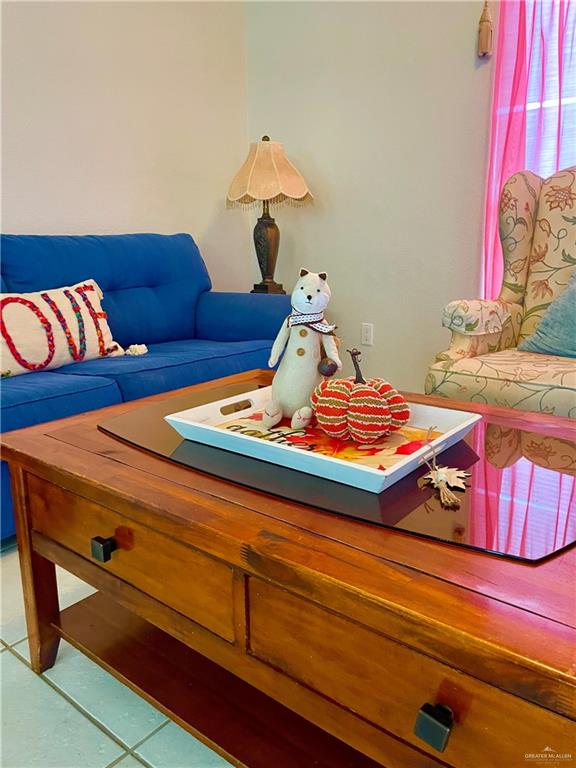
pixel 236 407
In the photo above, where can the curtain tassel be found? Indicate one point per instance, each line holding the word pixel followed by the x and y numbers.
pixel 485 32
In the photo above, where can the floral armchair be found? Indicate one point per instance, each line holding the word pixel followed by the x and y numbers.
pixel 537 225
pixel 503 446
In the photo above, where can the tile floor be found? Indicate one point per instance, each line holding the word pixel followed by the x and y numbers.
pixel 76 715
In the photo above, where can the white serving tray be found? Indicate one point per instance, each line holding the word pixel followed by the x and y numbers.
pixel 200 425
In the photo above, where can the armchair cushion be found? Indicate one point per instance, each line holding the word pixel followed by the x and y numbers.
pixel 476 317
pixel 512 379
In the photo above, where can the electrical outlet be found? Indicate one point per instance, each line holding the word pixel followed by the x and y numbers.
pixel 367 334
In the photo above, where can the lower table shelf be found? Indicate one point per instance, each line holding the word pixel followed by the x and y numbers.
pixel 238 721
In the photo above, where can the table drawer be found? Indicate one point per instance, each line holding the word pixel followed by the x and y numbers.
pixel 387 682
pixel 191 582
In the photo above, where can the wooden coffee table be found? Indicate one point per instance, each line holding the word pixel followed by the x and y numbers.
pixel 284 636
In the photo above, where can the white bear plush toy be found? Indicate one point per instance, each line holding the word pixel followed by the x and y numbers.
pixel 301 337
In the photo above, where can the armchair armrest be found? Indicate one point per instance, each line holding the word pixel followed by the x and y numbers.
pixel 476 317
pixel 240 316
pixel 480 326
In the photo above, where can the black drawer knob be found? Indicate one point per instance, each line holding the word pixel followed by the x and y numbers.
pixel 102 548
pixel 433 725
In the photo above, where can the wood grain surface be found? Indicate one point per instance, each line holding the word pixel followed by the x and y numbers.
pixel 503 633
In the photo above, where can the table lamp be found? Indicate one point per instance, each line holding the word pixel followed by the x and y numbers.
pixel 267 176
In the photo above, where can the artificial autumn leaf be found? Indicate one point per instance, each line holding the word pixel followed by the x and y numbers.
pixel 320 442
pixel 454 478
pixel 408 448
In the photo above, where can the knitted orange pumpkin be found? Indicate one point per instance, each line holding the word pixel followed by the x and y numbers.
pixel 359 410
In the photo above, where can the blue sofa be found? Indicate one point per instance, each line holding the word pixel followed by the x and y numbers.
pixel 156 292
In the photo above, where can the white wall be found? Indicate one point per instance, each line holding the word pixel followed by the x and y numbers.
pixel 126 117
pixel 384 108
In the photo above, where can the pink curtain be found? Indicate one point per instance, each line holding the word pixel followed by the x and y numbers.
pixel 533 116
pixel 533 127
pixel 524 509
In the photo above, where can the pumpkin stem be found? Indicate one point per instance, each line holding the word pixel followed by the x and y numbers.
pixel 355 355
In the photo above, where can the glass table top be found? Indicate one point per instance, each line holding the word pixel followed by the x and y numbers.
pixel 520 503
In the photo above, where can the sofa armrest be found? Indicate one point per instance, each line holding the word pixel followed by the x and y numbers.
pixel 480 326
pixel 240 316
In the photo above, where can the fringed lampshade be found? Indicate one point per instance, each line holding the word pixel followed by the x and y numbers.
pixel 267 176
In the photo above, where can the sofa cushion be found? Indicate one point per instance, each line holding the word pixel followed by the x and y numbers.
pixel 151 283
pixel 513 379
pixel 45 396
pixel 29 400
pixel 7 523
pixel 174 364
pixel 240 316
pixel 48 329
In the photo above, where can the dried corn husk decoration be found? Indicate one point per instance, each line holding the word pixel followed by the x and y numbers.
pixel 444 479
pixel 485 32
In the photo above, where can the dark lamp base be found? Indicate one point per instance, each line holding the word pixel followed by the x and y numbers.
pixel 268 287
pixel 266 241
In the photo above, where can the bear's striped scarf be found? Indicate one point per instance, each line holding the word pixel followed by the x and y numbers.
pixel 314 320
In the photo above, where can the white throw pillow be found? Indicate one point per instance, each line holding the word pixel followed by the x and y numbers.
pixel 48 329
